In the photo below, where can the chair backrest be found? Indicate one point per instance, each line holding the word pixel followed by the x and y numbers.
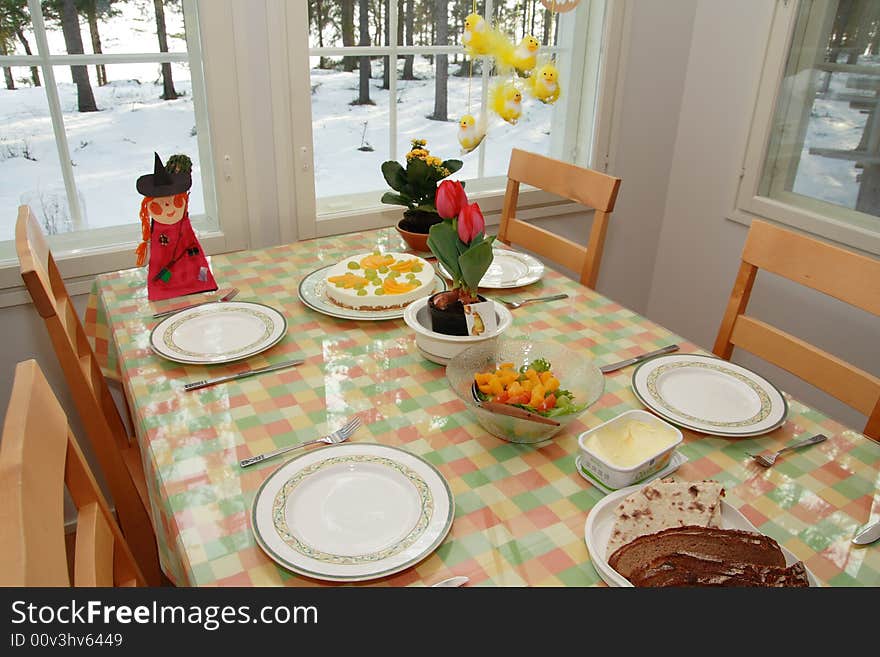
pixel 842 274
pixel 592 189
pixel 39 456
pixel 97 410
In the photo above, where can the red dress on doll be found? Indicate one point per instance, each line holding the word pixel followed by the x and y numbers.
pixel 177 264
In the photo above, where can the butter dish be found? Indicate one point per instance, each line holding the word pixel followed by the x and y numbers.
pixel 627 449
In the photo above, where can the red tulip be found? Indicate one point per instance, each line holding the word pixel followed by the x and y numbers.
pixel 450 198
pixel 470 223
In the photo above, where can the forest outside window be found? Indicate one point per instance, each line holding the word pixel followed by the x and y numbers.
pixel 820 168
pixel 363 54
pixel 91 88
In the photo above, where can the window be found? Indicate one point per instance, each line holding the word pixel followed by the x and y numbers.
pixel 90 90
pixel 354 126
pixel 813 158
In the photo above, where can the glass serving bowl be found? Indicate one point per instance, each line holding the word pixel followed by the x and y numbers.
pixel 576 372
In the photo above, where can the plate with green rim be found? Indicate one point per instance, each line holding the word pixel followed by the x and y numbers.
pixel 709 395
pixel 312 293
pixel 352 512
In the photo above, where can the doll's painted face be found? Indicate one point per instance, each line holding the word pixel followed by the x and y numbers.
pixel 167 209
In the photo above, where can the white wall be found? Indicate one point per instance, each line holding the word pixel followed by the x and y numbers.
pixel 699 248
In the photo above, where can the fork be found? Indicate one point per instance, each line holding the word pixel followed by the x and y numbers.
pixel 513 305
pixel 768 461
pixel 226 297
pixel 339 436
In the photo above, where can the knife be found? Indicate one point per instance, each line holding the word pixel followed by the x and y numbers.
pixel 204 383
pixel 613 367
pixel 227 296
pixel 453 581
pixel 867 535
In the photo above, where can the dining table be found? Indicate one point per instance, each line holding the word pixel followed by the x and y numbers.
pixel 519 509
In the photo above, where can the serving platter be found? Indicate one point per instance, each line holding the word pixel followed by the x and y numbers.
pixel 218 332
pixel 709 395
pixel 312 293
pixel 508 269
pixel 600 522
pixel 352 512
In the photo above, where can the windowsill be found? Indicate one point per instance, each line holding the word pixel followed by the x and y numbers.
pixel 847 234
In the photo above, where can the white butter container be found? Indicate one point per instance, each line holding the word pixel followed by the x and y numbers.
pixel 615 477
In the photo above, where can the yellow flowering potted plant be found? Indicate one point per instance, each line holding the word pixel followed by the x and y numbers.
pixel 415 187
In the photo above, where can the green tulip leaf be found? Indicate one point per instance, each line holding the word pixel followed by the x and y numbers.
pixel 474 264
pixel 442 240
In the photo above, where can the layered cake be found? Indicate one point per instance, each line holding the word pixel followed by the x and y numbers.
pixel 379 281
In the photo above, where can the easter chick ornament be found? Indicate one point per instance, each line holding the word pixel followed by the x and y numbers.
pixel 543 83
pixel 478 38
pixel 521 58
pixel 471 132
pixel 505 99
pixel 177 263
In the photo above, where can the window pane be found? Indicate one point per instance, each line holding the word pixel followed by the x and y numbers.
pixel 29 166
pixel 112 147
pixel 124 26
pixel 825 146
pixel 351 138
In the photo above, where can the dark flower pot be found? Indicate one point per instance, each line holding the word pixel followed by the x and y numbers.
pixel 449 320
pixel 414 227
pixel 415 241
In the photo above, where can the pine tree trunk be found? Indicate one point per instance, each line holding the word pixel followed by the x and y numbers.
pixel 35 72
pixel 73 42
pixel 364 62
pixel 348 63
pixel 319 26
pixel 92 15
pixel 10 81
pixel 441 68
pixel 168 91
pixel 408 60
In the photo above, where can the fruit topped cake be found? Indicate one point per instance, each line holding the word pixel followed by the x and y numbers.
pixel 379 281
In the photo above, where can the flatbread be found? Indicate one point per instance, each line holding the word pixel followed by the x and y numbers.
pixel 664 504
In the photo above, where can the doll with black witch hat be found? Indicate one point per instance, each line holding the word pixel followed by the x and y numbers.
pixel 178 265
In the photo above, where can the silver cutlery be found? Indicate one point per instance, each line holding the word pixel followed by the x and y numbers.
pixel 513 305
pixel 339 436
pixel 868 534
pixel 613 367
pixel 226 297
pixel 459 580
pixel 768 460
pixel 204 383
pixel 507 409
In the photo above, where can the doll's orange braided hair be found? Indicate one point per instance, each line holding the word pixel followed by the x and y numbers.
pixel 141 250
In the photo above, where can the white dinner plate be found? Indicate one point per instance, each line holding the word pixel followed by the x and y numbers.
pixel 600 522
pixel 218 332
pixel 312 293
pixel 709 395
pixel 352 512
pixel 508 269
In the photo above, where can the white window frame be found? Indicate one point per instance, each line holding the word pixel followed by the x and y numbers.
pixel 591 122
pixel 223 172
pixel 812 216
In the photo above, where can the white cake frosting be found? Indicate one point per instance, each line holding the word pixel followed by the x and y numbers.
pixel 374 281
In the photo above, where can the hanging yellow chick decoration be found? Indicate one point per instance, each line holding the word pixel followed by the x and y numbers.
pixel 505 99
pixel 543 84
pixel 477 38
pixel 524 56
pixel 471 132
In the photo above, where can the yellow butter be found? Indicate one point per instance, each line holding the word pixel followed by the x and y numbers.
pixel 626 444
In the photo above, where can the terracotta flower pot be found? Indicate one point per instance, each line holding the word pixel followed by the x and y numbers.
pixel 414 227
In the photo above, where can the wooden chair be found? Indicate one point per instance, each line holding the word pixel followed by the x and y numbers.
pixel 118 455
pixel 39 456
pixel 589 188
pixel 842 274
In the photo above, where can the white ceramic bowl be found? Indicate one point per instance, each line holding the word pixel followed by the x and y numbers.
pixel 616 477
pixel 440 348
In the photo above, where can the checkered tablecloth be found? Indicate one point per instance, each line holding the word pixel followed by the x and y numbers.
pixel 520 510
